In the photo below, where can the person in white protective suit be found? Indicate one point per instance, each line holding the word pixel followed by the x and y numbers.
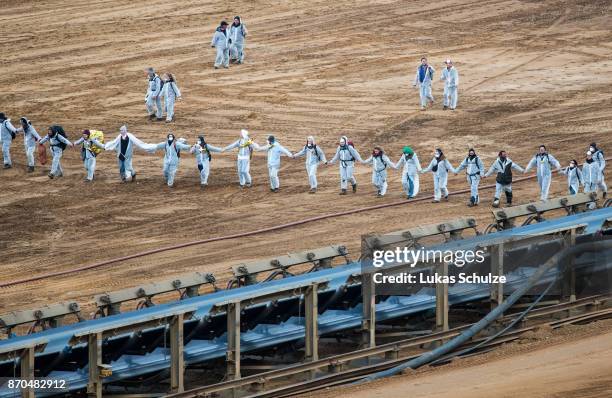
pixel 450 76
pixel 410 174
pixel 439 167
pixel 243 163
pixel 503 166
pixel 124 145
pixel 380 162
pixel 314 156
pixel 574 177
pixel 87 154
pixel 600 159
pixel 30 138
pixel 346 154
pixel 544 163
pixel 237 33
pixel 172 156
pixel 422 80
pixel 153 97
pixel 220 41
pixel 474 170
pixel 275 151
pixel 57 143
pixel 203 151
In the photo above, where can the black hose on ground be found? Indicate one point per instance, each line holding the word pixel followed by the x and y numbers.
pixel 456 342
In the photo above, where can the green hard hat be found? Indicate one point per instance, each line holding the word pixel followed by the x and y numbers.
pixel 407 150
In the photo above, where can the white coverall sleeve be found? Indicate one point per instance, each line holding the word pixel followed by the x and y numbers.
pixel 233 145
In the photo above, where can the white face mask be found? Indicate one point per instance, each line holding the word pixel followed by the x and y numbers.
pixel 592 149
pixel 171 138
pixel 437 154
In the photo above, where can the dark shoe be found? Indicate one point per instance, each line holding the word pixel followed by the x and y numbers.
pixel 313 190
pixel 133 177
pixel 276 190
pixel 446 198
pixel 354 188
pixel 151 117
pixel 343 192
pixel 50 175
pixel 30 169
pixel 160 119
pixel 248 185
pixel 445 107
pixel 509 198
pixel 123 179
pixel 7 166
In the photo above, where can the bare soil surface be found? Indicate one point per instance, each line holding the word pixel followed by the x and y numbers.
pixel 531 72
pixel 572 362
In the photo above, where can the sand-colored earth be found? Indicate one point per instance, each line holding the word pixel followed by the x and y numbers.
pixel 531 72
pixel 573 363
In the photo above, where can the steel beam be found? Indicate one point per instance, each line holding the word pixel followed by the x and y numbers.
pixel 177 360
pixel 311 303
pixel 442 299
pixel 27 370
pixel 94 347
pixel 368 317
pixel 233 341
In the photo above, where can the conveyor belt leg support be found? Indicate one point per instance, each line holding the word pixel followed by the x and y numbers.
pixel 27 371
pixel 177 367
pixel 368 320
pixel 442 299
pixel 311 299
pixel 94 383
pixel 233 341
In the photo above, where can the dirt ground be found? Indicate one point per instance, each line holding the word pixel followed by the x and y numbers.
pixel 573 362
pixel 531 72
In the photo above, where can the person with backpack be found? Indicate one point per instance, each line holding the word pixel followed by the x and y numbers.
pixel 220 41
pixel 544 163
pixel 88 155
pixel 171 93
pixel 172 156
pixel 57 142
pixel 503 166
pixel 237 34
pixel 474 170
pixel 410 174
pixel 314 156
pixel 450 76
pixel 439 166
pixel 423 79
pixel 30 138
pixel 275 151
pixel 202 151
pixel 153 96
pixel 346 154
pixel 574 177
pixel 124 144
pixel 245 152
pixel 600 159
pixel 379 161
pixel 8 132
